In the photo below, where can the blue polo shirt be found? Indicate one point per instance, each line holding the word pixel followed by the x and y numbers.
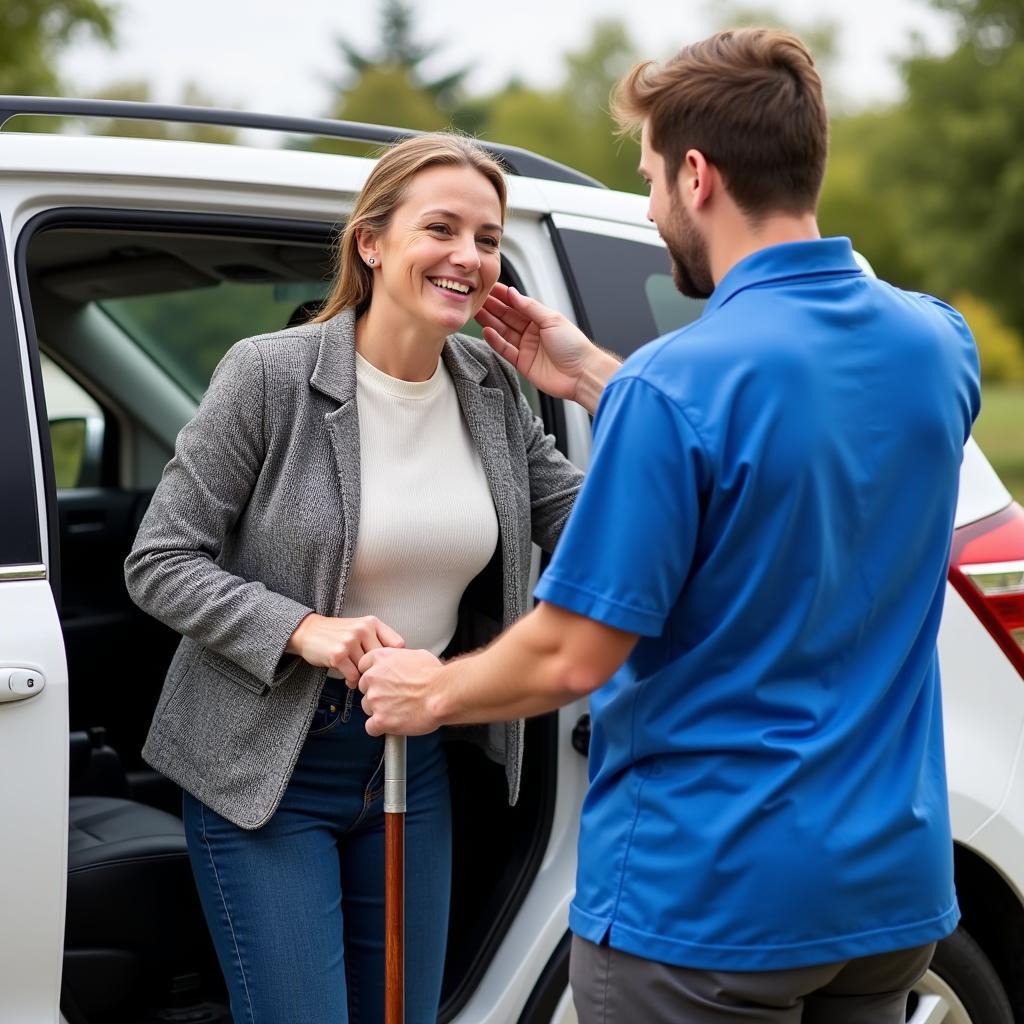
pixel 769 506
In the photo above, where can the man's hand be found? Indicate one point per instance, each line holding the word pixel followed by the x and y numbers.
pixel 397 687
pixel 548 658
pixel 549 351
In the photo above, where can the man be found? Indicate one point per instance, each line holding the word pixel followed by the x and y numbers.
pixel 749 587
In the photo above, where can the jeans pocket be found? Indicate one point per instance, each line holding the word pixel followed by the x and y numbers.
pixel 331 710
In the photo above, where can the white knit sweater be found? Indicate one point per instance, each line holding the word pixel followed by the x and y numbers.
pixel 427 524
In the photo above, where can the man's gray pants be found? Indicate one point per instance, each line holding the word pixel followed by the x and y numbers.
pixel 612 987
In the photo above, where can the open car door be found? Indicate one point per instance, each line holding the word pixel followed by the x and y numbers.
pixel 33 694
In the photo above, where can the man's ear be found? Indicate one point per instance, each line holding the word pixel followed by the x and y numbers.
pixel 366 242
pixel 695 179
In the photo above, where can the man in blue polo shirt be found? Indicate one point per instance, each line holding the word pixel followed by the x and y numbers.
pixel 749 587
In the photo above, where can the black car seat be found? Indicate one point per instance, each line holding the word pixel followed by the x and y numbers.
pixel 134 933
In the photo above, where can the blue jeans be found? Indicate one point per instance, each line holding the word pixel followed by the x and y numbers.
pixel 296 908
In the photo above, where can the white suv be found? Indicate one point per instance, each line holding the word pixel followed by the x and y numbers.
pixel 131 265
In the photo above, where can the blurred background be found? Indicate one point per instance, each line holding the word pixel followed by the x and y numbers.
pixel 926 172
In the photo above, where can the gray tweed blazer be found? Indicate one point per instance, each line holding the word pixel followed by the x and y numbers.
pixel 254 524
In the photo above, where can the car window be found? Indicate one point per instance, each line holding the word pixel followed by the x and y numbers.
pixel 186 332
pixel 626 289
pixel 76 420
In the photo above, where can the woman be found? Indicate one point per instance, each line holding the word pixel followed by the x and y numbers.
pixel 341 485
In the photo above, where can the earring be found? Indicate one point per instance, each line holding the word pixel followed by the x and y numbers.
pixel 371 261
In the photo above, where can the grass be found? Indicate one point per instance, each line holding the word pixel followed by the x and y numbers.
pixel 1000 433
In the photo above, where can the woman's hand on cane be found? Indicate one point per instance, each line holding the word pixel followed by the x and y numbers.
pixel 340 643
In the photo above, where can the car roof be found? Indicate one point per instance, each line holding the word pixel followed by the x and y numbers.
pixel 179 162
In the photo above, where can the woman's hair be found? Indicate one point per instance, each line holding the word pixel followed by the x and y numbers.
pixel 383 194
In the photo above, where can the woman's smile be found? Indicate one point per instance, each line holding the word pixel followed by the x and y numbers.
pixel 453 288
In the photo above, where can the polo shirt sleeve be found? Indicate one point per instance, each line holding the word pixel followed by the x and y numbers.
pixel 627 548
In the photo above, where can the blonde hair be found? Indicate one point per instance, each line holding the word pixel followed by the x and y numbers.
pixel 383 194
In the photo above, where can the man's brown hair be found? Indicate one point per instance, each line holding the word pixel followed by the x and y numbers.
pixel 750 101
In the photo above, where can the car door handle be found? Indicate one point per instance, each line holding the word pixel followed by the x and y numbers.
pixel 581 735
pixel 19 683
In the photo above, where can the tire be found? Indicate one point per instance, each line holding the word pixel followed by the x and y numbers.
pixel 960 987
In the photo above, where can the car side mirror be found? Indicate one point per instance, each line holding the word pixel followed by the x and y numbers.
pixel 77 443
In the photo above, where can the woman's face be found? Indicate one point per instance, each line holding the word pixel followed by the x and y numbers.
pixel 439 257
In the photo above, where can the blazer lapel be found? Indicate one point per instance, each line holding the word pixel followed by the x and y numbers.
pixel 484 411
pixel 335 376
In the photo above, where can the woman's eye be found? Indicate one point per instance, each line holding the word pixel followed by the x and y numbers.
pixel 490 241
pixel 443 228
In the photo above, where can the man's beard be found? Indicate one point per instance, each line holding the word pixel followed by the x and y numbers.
pixel 691 268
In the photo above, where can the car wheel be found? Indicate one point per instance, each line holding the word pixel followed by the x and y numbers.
pixel 960 987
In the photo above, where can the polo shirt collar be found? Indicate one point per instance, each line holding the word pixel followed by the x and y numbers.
pixel 790 261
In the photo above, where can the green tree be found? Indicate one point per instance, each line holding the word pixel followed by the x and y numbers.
pixel 864 201
pixel 591 74
pixel 403 56
pixel 987 23
pixel 571 123
pixel 389 85
pixel 999 347
pixel 960 159
pixel 34 32
pixel 386 93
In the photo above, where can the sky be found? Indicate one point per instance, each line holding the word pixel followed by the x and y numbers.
pixel 282 62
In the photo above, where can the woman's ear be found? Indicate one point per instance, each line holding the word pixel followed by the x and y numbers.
pixel 369 250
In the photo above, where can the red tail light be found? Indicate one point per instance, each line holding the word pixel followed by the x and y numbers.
pixel 987 568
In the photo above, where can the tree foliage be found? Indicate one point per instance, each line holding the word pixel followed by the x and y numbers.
pixel 571 123
pixel 1000 348
pixel 34 32
pixel 954 150
pixel 402 54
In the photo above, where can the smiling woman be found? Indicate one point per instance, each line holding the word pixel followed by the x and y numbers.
pixel 433 267
pixel 372 478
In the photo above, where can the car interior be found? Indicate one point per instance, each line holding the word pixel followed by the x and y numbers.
pixel 130 312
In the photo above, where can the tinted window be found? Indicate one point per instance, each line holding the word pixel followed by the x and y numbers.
pixel 626 289
pixel 76 428
pixel 186 332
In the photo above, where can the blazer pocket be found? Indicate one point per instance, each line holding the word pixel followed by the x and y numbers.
pixel 226 667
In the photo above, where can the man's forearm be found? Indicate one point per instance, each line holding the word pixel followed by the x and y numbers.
pixel 549 658
pixel 527 671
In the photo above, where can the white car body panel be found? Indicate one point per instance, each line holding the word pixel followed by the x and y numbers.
pixel 983 712
pixel 33 766
pixel 33 806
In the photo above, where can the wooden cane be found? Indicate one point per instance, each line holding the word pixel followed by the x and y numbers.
pixel 394 879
